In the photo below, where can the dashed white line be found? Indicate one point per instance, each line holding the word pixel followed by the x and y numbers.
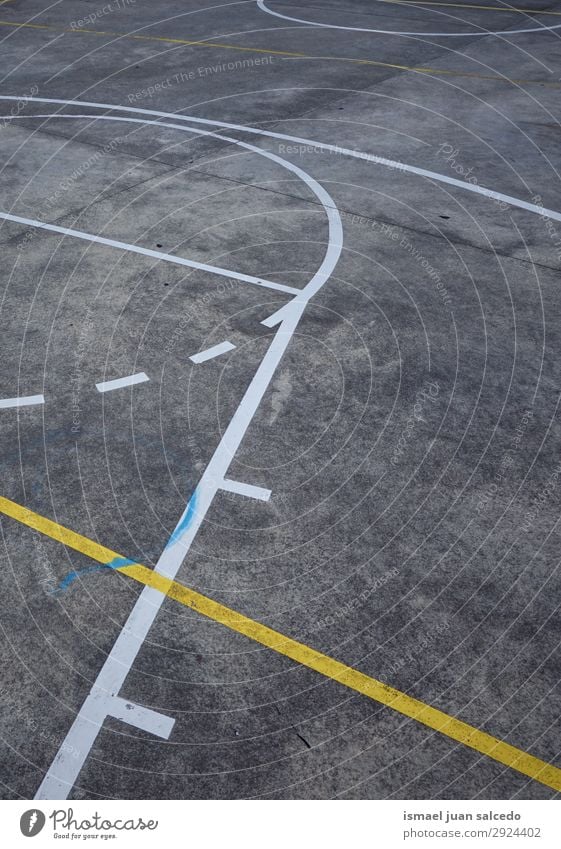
pixel 119 382
pixel 21 401
pixel 81 736
pixel 210 353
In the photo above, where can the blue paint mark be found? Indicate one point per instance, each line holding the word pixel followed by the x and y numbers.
pixel 181 529
pixel 72 576
pixel 186 521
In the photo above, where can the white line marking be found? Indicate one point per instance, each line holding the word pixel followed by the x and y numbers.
pixel 344 151
pixel 210 353
pixel 65 768
pixel 80 738
pixel 141 717
pixel 124 246
pixel 481 30
pixel 246 489
pixel 119 382
pixel 21 401
pixel 275 318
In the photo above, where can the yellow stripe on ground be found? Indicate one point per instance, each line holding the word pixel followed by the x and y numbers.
pixel 472 6
pixel 388 696
pixel 284 53
pixel 55 531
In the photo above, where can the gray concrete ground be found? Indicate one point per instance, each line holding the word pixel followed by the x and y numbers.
pixel 409 435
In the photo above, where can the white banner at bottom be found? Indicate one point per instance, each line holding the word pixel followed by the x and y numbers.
pixel 283 824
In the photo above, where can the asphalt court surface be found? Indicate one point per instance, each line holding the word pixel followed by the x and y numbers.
pixel 366 207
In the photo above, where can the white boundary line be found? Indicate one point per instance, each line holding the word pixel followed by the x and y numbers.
pixel 81 736
pixel 482 31
pixel 120 382
pixel 21 401
pixel 246 489
pixel 211 353
pixel 141 717
pixel 65 768
pixel 343 151
pixel 137 249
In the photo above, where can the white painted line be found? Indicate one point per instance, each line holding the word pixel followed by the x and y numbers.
pixel 141 717
pixel 65 768
pixel 210 353
pixel 335 241
pixel 343 151
pixel 480 30
pixel 125 246
pixel 21 401
pixel 119 382
pixel 246 489
pixel 275 318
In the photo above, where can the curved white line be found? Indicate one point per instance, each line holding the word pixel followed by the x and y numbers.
pixel 335 227
pixel 368 157
pixel 64 770
pixel 264 8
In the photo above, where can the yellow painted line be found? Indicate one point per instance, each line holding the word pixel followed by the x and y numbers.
pixel 408 706
pixel 284 53
pixel 58 532
pixel 472 6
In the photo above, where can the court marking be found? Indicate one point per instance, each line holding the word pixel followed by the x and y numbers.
pixel 414 3
pixel 285 53
pixel 247 489
pixel 120 382
pixel 408 706
pixel 343 151
pixel 335 227
pixel 141 717
pixel 137 249
pixel 21 401
pixel 82 734
pixel 211 353
pixel 90 718
pixel 481 31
